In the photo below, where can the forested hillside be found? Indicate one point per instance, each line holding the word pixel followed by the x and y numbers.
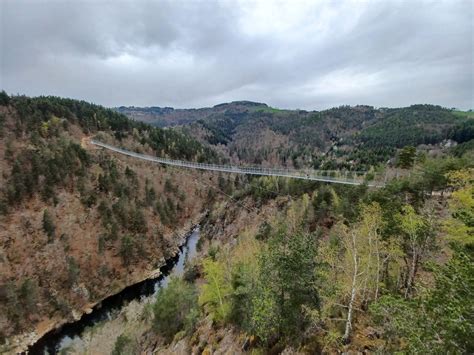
pixel 284 265
pixel 354 138
pixel 168 116
pixel 312 268
pixel 332 215
pixel 77 224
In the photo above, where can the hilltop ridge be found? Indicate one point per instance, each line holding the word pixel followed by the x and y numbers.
pixel 345 137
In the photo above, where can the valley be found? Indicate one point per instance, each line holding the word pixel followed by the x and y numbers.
pixel 73 220
pixel 133 299
pixel 281 264
pixel 249 177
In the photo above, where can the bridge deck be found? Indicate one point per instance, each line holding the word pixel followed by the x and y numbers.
pixel 337 177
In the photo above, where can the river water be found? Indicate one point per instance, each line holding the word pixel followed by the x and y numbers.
pixel 145 291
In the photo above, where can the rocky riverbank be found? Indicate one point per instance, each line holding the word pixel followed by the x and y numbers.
pixel 20 343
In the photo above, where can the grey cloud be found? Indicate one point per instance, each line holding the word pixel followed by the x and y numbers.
pixel 197 53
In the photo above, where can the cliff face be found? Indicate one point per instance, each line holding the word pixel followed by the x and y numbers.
pixel 78 224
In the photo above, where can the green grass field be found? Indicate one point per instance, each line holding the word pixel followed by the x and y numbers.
pixel 468 114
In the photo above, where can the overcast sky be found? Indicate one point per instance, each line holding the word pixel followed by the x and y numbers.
pixel 289 54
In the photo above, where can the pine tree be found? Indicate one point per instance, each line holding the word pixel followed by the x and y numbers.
pixel 287 255
pixel 48 225
pixel 127 249
pixel 406 157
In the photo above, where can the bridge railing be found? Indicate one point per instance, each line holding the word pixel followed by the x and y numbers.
pixel 343 177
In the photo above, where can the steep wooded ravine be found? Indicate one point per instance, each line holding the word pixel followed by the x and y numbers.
pixel 76 224
pixel 284 265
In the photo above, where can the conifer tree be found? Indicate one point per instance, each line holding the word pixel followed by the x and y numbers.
pixel 48 225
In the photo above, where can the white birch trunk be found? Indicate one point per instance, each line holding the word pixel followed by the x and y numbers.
pixel 411 274
pixel 353 291
pixel 377 276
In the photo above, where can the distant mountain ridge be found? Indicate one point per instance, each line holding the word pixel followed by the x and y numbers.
pixel 169 116
pixel 347 137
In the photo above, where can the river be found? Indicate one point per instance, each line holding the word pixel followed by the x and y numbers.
pixel 70 334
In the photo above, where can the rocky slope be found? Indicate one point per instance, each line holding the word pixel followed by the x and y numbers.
pixel 78 224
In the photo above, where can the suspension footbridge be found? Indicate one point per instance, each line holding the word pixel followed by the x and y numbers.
pixel 333 176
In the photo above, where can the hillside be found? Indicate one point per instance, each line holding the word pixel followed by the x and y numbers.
pixel 169 117
pixel 354 138
pixel 249 177
pixel 299 267
pixel 77 224
pixel 282 265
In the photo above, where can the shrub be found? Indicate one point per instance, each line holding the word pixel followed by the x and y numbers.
pixel 73 270
pixel 123 346
pixel 176 308
pixel 127 249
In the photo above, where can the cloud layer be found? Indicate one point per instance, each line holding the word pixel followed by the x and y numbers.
pixel 291 54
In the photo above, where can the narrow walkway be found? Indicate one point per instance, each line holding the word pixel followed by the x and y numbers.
pixel 336 177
